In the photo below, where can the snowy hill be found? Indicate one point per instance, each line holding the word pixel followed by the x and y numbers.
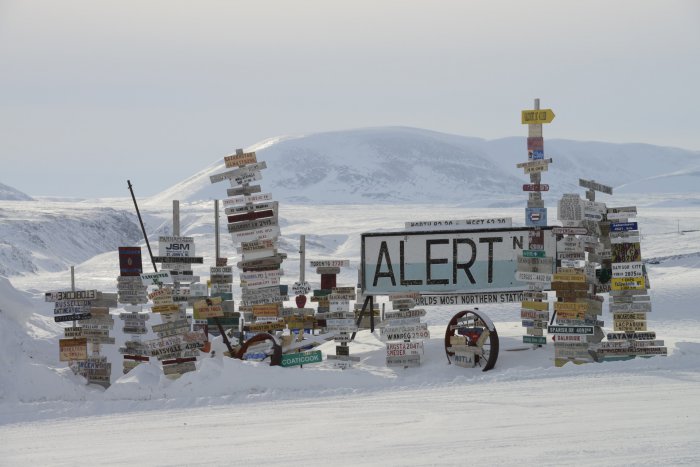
pixel 12 194
pixel 52 236
pixel 407 165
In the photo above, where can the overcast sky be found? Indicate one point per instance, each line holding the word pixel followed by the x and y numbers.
pixel 93 93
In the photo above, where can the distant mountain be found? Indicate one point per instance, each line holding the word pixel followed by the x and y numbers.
pixel 408 165
pixel 8 193
pixel 34 240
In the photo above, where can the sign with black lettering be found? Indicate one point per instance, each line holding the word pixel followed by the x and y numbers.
pixel 462 261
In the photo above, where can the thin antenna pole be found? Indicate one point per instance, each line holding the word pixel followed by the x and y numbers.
pixel 217 243
pixel 143 229
pixel 176 218
pixel 302 258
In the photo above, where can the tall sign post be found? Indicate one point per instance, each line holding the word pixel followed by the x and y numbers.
pixel 176 347
pixel 334 309
pixel 133 294
pixel 89 312
pixel 628 286
pixel 254 226
pixel 535 267
pixel 583 248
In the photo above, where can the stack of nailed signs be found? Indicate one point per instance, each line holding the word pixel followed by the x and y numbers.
pixel 177 254
pixel 221 279
pixel 629 301
pixel 534 267
pixel 132 292
pixel 96 369
pixel 339 319
pixel 254 226
pixel 403 332
pixel 578 307
pixel 91 309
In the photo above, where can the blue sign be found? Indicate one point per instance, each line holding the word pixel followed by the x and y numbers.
pixel 535 154
pixel 536 217
pixel 623 226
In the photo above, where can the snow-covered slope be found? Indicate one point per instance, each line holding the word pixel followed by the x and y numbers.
pixel 52 236
pixel 9 193
pixel 399 165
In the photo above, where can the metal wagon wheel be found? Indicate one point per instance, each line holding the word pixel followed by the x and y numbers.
pixel 473 324
pixel 275 357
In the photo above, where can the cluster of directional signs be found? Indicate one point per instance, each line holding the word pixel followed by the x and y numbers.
pixel 558 274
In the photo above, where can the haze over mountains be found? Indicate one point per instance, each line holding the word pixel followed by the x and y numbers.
pixel 408 165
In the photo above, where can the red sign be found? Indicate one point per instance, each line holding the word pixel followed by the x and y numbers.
pixel 535 143
pixel 535 187
pixel 251 216
pixel 130 261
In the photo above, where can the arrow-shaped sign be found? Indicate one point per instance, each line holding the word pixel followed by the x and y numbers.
pixel 537 116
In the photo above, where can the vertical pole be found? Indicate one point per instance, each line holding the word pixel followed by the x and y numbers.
pixel 143 229
pixel 176 218
pixel 72 283
pixel 217 243
pixel 176 233
pixel 302 257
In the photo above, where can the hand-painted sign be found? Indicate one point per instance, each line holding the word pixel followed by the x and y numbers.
pixel 591 185
pixel 465 224
pixel 452 261
pixel 240 175
pixel 535 187
pixel 539 340
pixel 582 330
pixel 239 159
pixel 156 278
pixel 247 199
pixel 72 349
pixel 341 263
pixel 534 117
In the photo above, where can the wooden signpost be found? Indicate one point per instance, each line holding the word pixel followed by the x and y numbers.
pixel 91 322
pixel 253 224
pixel 334 309
pixel 629 302
pixel 535 267
pixel 404 333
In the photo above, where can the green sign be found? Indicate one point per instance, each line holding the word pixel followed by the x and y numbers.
pixel 533 253
pixel 292 359
pixel 223 321
pixel 534 340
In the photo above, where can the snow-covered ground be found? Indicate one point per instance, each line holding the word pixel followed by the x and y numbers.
pixel 643 411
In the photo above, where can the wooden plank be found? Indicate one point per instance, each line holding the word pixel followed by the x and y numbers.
pixel 536 116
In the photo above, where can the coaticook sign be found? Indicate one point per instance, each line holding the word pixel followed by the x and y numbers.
pixel 463 261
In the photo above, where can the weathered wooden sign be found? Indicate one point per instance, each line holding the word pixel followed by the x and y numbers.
pixel 156 278
pixel 533 117
pixel 592 185
pixel 72 349
pixel 240 159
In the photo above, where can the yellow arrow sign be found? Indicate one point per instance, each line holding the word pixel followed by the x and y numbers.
pixel 537 116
